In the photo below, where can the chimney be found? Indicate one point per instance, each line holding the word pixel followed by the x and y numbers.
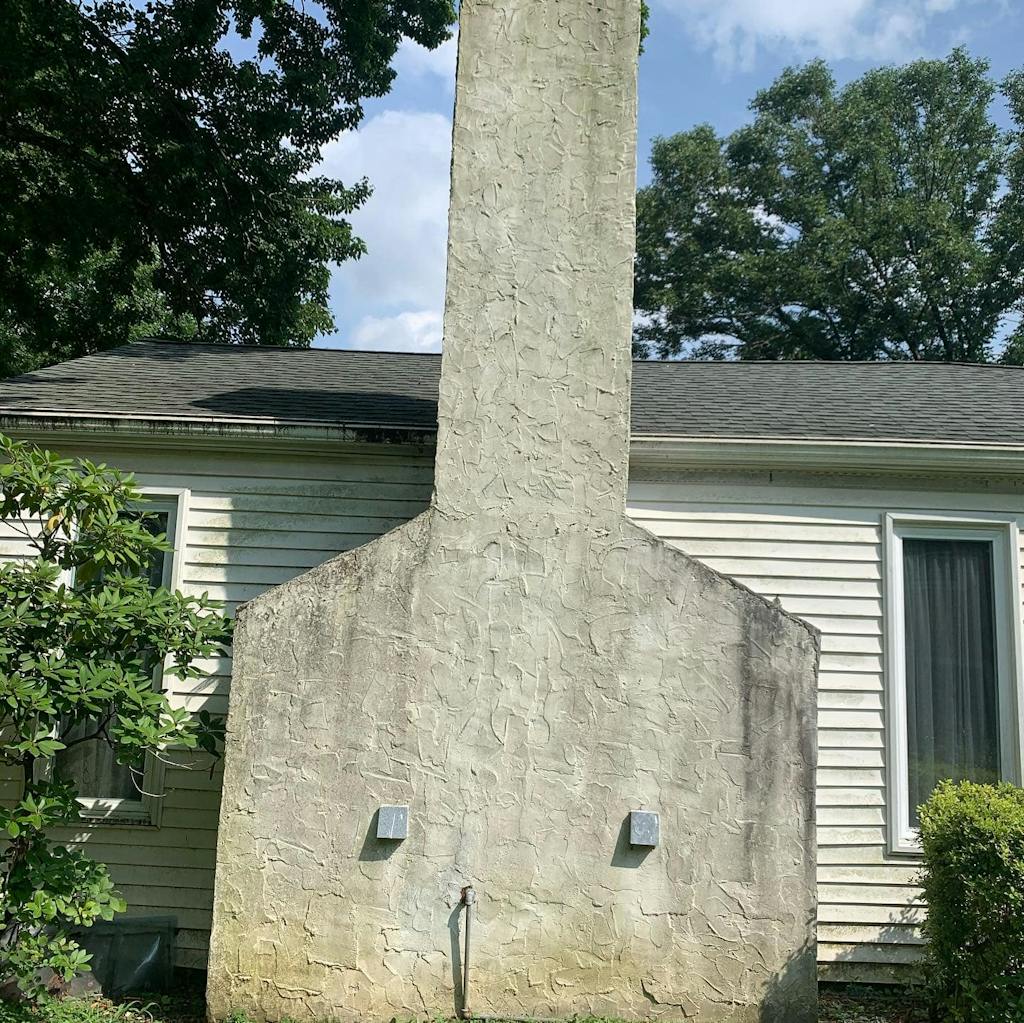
pixel 521 692
pixel 534 404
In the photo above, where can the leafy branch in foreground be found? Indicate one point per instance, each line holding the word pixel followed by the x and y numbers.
pixel 86 634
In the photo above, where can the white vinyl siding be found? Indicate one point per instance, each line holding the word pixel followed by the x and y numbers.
pixel 12 545
pixel 816 545
pixel 252 521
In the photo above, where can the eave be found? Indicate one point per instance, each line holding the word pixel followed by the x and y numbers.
pixel 220 433
pixel 646 451
pixel 816 455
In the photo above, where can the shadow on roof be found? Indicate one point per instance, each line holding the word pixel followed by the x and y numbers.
pixel 322 405
pixel 47 378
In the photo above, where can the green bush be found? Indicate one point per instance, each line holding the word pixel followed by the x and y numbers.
pixel 973 840
pixel 82 631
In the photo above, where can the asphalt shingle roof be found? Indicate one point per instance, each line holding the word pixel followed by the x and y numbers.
pixel 931 402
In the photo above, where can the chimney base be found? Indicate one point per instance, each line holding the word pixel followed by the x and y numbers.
pixel 521 690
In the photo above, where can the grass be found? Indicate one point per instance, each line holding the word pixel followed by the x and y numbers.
pixel 838 1005
pixel 149 1009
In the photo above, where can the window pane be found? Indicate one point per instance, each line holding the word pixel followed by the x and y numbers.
pixel 952 683
pixel 91 765
pixel 156 523
pixel 92 769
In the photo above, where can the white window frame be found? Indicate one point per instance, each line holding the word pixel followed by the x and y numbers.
pixel 147 808
pixel 1003 533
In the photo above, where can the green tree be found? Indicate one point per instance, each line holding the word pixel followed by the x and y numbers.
pixel 83 631
pixel 153 181
pixel 883 220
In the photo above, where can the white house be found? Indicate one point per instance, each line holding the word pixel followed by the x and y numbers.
pixel 881 502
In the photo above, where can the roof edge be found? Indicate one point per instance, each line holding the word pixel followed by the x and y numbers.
pixel 647 451
pixel 217 432
pixel 880 457
pixel 235 346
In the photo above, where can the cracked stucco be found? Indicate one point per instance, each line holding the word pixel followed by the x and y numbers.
pixel 522 664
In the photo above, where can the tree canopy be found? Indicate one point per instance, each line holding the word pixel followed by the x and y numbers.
pixel 881 220
pixel 152 180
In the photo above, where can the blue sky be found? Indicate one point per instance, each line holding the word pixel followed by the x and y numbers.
pixel 703 62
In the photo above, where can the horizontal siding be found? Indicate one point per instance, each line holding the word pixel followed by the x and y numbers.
pixel 252 523
pixel 13 544
pixel 255 522
pixel 257 527
pixel 817 548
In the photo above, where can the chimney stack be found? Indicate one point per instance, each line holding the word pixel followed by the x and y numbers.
pixel 521 692
pixel 534 404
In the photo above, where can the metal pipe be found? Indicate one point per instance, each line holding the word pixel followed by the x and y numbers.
pixel 468 899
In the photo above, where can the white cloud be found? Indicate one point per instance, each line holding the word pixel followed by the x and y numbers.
pixel 406 156
pixel 418 331
pixel 415 61
pixel 738 30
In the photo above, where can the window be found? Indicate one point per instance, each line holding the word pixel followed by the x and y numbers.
pixel 952 627
pixel 108 790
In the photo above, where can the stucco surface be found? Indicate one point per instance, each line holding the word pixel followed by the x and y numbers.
pixel 522 665
pixel 522 691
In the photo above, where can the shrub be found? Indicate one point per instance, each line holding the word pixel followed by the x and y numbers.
pixel 973 840
pixel 82 632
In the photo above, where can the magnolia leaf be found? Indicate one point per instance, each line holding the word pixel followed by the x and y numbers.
pixel 74 658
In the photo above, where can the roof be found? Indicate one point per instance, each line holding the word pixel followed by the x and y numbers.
pixel 825 401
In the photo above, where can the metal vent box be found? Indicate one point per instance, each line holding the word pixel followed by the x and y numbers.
pixel 644 828
pixel 393 822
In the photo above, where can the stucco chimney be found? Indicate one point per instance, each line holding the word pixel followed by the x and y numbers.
pixel 534 403
pixel 522 665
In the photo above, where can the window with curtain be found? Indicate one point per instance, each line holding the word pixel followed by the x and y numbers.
pixel 102 783
pixel 952 664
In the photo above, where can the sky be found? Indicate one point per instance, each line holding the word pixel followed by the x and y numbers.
pixel 703 61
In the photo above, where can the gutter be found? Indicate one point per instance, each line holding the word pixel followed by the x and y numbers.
pixel 221 432
pixel 867 455
pixel 647 452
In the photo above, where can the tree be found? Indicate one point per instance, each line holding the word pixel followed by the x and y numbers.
pixel 883 220
pixel 83 630
pixel 151 180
